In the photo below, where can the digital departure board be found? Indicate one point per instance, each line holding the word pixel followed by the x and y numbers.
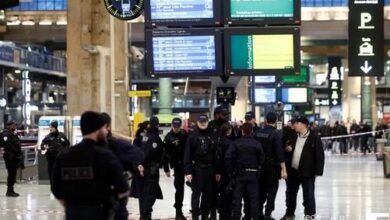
pixel 182 13
pixel 183 52
pixel 265 95
pixel 259 51
pixel 294 95
pixel 262 12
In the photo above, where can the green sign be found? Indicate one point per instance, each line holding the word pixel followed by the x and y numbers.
pixel 297 79
pixel 261 8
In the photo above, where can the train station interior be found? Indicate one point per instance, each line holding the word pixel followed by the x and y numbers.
pixel 325 60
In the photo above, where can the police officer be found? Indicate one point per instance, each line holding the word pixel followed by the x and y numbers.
pixel 129 156
pixel 53 143
pixel 274 166
pixel 243 161
pixel 12 156
pixel 201 167
pixel 225 199
pixel 86 175
pixel 174 144
pixel 147 188
pixel 221 114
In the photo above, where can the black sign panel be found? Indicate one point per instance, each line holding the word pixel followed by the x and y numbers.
pixel 226 95
pixel 335 81
pixel 366 37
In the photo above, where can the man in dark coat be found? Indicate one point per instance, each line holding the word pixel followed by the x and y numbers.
pixel 147 188
pixel 13 157
pixel 131 158
pixel 174 145
pixel 201 167
pixel 54 143
pixel 305 161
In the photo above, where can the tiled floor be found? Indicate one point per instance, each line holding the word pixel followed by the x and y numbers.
pixel 353 188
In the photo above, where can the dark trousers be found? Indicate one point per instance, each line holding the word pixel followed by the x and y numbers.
pixel 246 183
pixel 364 144
pixel 84 212
pixel 12 168
pixel 178 182
pixel 122 213
pixel 50 166
pixel 225 199
pixel 149 186
pixel 308 187
pixel 202 186
pixel 268 188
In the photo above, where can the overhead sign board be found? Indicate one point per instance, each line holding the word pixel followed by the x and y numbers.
pixel 366 38
pixel 141 93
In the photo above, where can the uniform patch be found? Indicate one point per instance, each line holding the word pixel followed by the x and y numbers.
pixel 5 138
pixel 154 145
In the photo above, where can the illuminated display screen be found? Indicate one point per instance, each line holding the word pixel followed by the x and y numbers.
pixel 183 13
pixel 265 95
pixel 181 52
pixel 184 53
pixel 261 8
pixel 265 79
pixel 297 79
pixel 181 9
pixel 294 95
pixel 261 51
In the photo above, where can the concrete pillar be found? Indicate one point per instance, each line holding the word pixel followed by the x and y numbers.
pixel 97 62
pixel 165 96
pixel 366 100
pixel 241 106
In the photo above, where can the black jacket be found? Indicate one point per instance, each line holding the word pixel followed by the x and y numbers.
pixel 174 145
pixel 312 159
pixel 200 141
pixel 12 147
pixel 56 141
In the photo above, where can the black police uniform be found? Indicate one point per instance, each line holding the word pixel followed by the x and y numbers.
pixel 56 141
pixel 243 161
pixel 215 129
pixel 85 177
pixel 272 142
pixel 201 161
pixel 225 199
pixel 130 157
pixel 12 157
pixel 147 188
pixel 174 146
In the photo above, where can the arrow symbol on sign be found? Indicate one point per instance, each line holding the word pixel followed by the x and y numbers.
pixel 366 68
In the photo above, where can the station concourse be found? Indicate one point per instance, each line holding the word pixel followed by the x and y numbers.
pixel 165 62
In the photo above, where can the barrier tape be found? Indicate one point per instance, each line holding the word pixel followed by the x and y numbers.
pixel 355 135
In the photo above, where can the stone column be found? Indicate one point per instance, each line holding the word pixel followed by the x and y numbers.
pixel 97 62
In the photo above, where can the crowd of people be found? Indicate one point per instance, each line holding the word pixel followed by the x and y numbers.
pixel 222 164
pixel 343 138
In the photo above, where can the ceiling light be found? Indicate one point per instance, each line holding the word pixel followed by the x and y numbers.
pixel 13 23
pixel 28 23
pixel 18 71
pixel 45 22
pixel 61 22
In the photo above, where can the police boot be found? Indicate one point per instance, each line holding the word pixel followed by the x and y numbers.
pixel 195 217
pixel 213 215
pixel 11 192
pixel 179 215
